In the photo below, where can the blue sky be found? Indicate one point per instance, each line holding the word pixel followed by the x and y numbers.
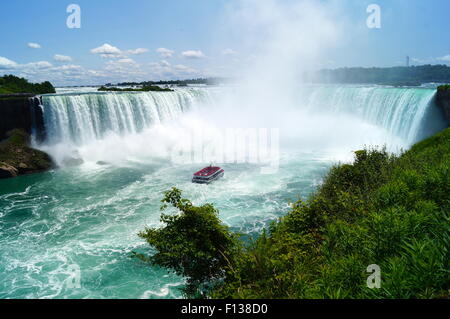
pixel 137 40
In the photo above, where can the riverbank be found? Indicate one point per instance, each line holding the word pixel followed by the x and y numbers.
pixel 382 209
pixel 17 158
pixel 376 228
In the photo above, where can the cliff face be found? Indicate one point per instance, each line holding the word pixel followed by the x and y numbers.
pixel 21 116
pixel 21 111
pixel 443 100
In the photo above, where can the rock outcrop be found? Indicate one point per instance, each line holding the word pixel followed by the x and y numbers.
pixel 17 158
pixel 7 171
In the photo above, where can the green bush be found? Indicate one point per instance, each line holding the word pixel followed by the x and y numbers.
pixel 382 209
pixel 10 84
pixel 193 244
pixel 444 87
pixel 146 88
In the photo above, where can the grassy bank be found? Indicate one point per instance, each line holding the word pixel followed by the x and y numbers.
pixel 392 211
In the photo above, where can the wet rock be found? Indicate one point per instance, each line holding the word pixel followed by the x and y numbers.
pixel 7 171
pixel 17 158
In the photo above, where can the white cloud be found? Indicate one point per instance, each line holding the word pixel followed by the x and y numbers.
pixel 118 69
pixel 193 54
pixel 164 63
pixel 6 64
pixel 185 69
pixel 126 61
pixel 229 52
pixel 122 66
pixel 107 51
pixel 164 70
pixel 424 61
pixel 37 65
pixel 137 51
pixel 62 58
pixel 33 45
pixel 68 67
pixel 165 53
pixel 445 58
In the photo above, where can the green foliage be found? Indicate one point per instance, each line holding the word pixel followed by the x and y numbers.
pixel 206 81
pixel 15 152
pixel 17 137
pixel 10 84
pixel 194 243
pixel 445 87
pixel 146 88
pixel 382 209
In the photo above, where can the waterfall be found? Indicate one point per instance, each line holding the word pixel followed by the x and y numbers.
pixel 80 118
pixel 400 111
pixel 84 117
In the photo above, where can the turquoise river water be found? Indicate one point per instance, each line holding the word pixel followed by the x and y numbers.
pixel 69 233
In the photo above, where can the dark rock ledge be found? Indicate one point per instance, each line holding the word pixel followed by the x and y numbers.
pixel 18 158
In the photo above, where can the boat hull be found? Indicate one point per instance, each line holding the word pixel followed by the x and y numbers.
pixel 207 180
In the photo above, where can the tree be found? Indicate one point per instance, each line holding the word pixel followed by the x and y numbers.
pixel 12 84
pixel 193 244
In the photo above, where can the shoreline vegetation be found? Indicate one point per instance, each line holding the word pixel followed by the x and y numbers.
pixel 383 209
pixel 148 88
pixel 392 76
pixel 10 84
pixel 17 98
pixel 443 88
pixel 198 81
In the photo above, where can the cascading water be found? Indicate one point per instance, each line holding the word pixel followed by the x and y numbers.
pixel 84 220
pixel 400 111
pixel 81 118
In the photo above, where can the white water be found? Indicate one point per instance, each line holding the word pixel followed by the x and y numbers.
pixel 119 127
pixel 399 111
pixel 89 215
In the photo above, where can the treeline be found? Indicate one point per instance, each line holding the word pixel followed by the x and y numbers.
pixel 408 76
pixel 10 84
pixel 206 81
pixel 146 88
pixel 445 87
pixel 385 212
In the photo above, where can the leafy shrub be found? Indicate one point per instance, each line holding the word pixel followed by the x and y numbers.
pixel 194 243
pixel 10 84
pixel 382 209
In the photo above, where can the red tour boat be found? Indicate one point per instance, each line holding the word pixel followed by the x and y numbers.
pixel 208 174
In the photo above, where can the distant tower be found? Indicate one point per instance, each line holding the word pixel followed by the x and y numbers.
pixel 407 61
